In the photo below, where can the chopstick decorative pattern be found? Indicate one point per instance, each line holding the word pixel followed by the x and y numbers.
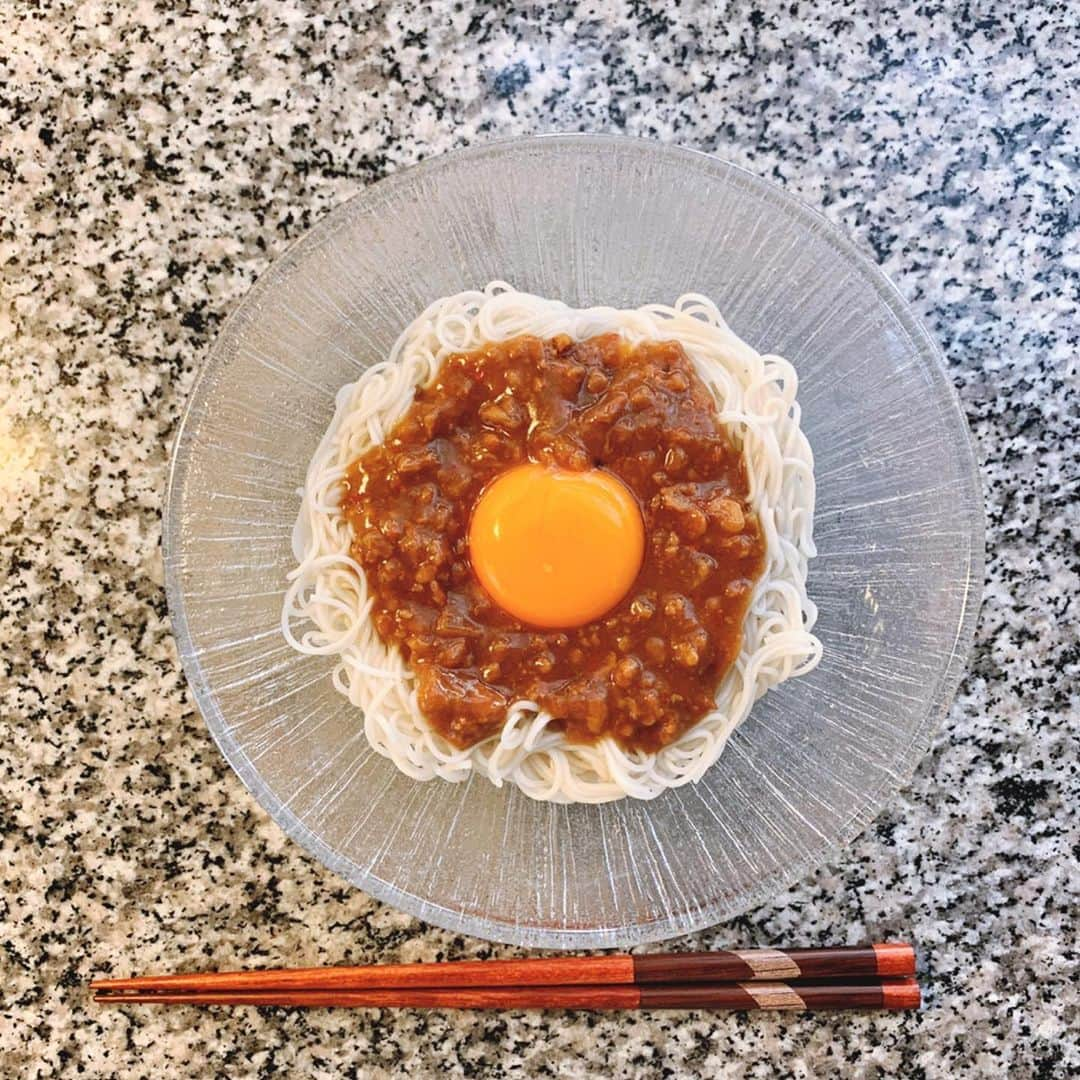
pixel 875 976
pixel 882 960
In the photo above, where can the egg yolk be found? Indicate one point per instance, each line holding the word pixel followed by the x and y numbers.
pixel 556 548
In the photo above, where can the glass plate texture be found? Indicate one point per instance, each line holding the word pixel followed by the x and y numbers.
pixel 591 220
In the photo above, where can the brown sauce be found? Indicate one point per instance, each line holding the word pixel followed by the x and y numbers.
pixel 648 670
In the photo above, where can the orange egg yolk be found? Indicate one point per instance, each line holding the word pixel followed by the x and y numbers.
pixel 556 548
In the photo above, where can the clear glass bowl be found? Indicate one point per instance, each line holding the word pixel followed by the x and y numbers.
pixel 591 220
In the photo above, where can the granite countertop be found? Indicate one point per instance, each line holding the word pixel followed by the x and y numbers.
pixel 154 161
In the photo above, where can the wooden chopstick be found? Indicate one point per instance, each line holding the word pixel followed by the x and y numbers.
pixel 890 959
pixel 900 993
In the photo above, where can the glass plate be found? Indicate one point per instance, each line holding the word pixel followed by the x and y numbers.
pixel 591 220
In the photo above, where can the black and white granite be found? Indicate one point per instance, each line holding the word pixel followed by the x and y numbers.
pixel 154 158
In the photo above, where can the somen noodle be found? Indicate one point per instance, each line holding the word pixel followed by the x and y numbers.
pixel 327 608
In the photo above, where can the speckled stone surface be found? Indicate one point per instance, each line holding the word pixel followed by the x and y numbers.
pixel 154 161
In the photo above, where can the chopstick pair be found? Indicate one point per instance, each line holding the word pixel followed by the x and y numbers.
pixel 865 977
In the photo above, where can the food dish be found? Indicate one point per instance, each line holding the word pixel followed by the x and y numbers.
pixel 897 527
pixel 658 413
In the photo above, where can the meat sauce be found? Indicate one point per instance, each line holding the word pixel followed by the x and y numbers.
pixel 648 670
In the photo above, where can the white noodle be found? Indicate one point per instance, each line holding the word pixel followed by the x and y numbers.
pixel 327 607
